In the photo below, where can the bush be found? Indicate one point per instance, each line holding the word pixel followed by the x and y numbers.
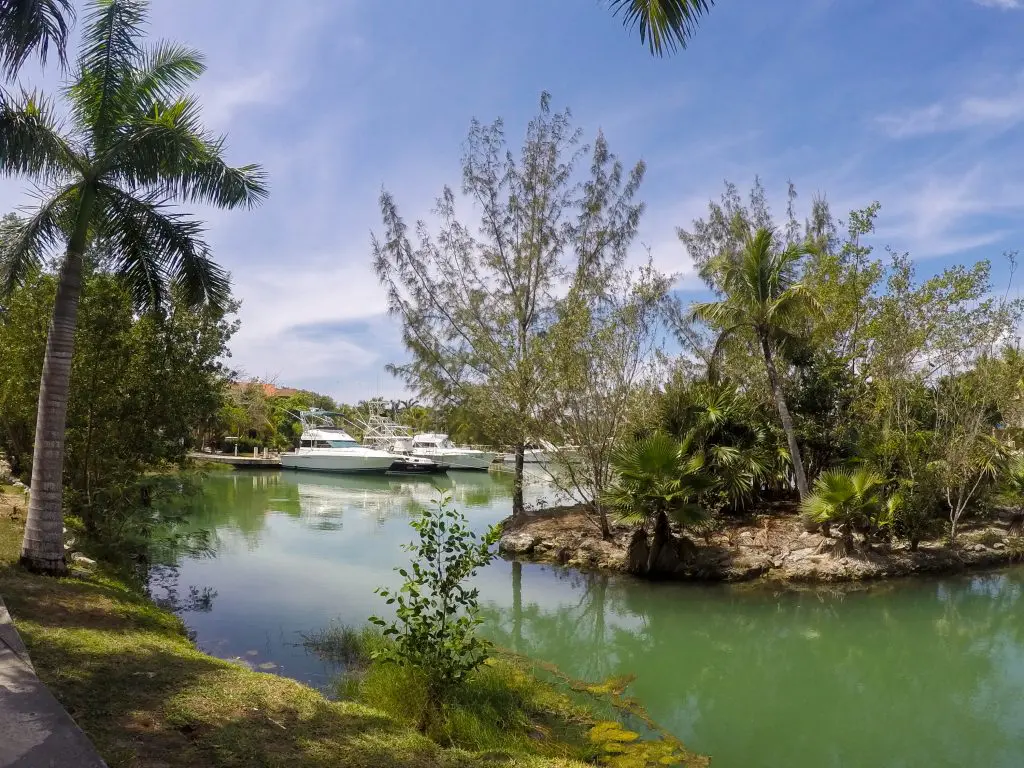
pixel 915 509
pixel 436 615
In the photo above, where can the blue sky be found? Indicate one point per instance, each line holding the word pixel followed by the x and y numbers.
pixel 916 103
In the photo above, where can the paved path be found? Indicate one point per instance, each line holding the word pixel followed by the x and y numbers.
pixel 35 731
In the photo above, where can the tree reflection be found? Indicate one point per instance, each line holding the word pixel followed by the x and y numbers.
pixel 910 674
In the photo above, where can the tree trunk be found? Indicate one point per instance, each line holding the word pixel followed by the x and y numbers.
pixel 638 553
pixel 787 420
pixel 664 557
pixel 517 606
pixel 518 507
pixel 602 516
pixel 42 548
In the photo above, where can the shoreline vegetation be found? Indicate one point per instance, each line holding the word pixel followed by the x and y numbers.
pixel 126 670
pixel 771 546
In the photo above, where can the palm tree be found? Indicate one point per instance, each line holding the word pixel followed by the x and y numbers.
pixel 655 478
pixel 32 26
pixel 761 295
pixel 665 25
pixel 851 499
pixel 134 144
pixel 720 423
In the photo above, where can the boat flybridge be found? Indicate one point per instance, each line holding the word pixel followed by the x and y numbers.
pixel 382 432
pixel 326 447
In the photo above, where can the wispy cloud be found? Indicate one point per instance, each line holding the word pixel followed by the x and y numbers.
pixel 997 108
pixel 1008 5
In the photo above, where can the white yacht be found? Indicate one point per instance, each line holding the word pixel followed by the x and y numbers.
pixel 324 447
pixel 438 447
pixel 541 452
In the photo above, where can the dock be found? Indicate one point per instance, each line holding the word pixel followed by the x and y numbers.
pixel 251 462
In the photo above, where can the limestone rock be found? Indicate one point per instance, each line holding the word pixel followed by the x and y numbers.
pixel 517 543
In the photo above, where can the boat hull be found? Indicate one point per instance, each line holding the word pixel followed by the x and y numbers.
pixel 463 461
pixel 356 465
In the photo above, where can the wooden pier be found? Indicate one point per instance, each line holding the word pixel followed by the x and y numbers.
pixel 242 461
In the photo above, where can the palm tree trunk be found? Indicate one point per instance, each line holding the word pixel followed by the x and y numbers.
pixel 518 506
pixel 42 548
pixel 787 419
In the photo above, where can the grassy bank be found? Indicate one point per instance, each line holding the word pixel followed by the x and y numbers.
pixel 127 673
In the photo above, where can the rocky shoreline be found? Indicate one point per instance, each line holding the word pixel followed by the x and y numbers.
pixel 767 546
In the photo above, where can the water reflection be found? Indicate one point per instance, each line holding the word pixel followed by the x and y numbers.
pixel 906 674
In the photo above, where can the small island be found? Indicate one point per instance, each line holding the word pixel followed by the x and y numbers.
pixel 771 546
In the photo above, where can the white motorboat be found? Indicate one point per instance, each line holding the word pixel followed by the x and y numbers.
pixel 438 447
pixel 382 433
pixel 325 447
pixel 534 453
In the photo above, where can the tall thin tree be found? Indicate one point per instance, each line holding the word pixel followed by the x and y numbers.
pixel 133 145
pixel 762 296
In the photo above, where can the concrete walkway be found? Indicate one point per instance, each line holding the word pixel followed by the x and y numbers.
pixel 35 731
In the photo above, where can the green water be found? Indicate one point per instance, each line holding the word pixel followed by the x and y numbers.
pixel 915 673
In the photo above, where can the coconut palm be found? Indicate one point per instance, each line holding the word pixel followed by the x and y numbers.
pixel 33 26
pixel 851 499
pixel 665 25
pixel 762 296
pixel 133 144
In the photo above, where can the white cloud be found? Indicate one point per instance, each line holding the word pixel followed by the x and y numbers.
pixel 1000 106
pixel 1007 5
pixel 944 211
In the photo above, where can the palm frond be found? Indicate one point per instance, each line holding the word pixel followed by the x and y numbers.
pixel 153 247
pixel 33 26
pixel 111 51
pixel 665 25
pixel 846 496
pixel 25 243
pixel 165 73
pixel 30 139
pixel 208 179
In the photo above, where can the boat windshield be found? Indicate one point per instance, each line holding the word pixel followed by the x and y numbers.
pixel 330 444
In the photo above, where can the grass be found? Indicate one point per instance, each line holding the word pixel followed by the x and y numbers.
pixel 505 706
pixel 127 673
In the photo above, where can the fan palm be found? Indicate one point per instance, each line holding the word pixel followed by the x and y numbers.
pixel 717 421
pixel 134 144
pixel 762 295
pixel 1013 493
pixel 657 475
pixel 665 25
pixel 853 500
pixel 32 26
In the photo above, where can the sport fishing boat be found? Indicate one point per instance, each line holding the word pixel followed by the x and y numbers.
pixel 384 434
pixel 326 447
pixel 438 447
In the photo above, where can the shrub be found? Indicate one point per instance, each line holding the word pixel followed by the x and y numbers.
pixel 436 611
pixel 851 499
